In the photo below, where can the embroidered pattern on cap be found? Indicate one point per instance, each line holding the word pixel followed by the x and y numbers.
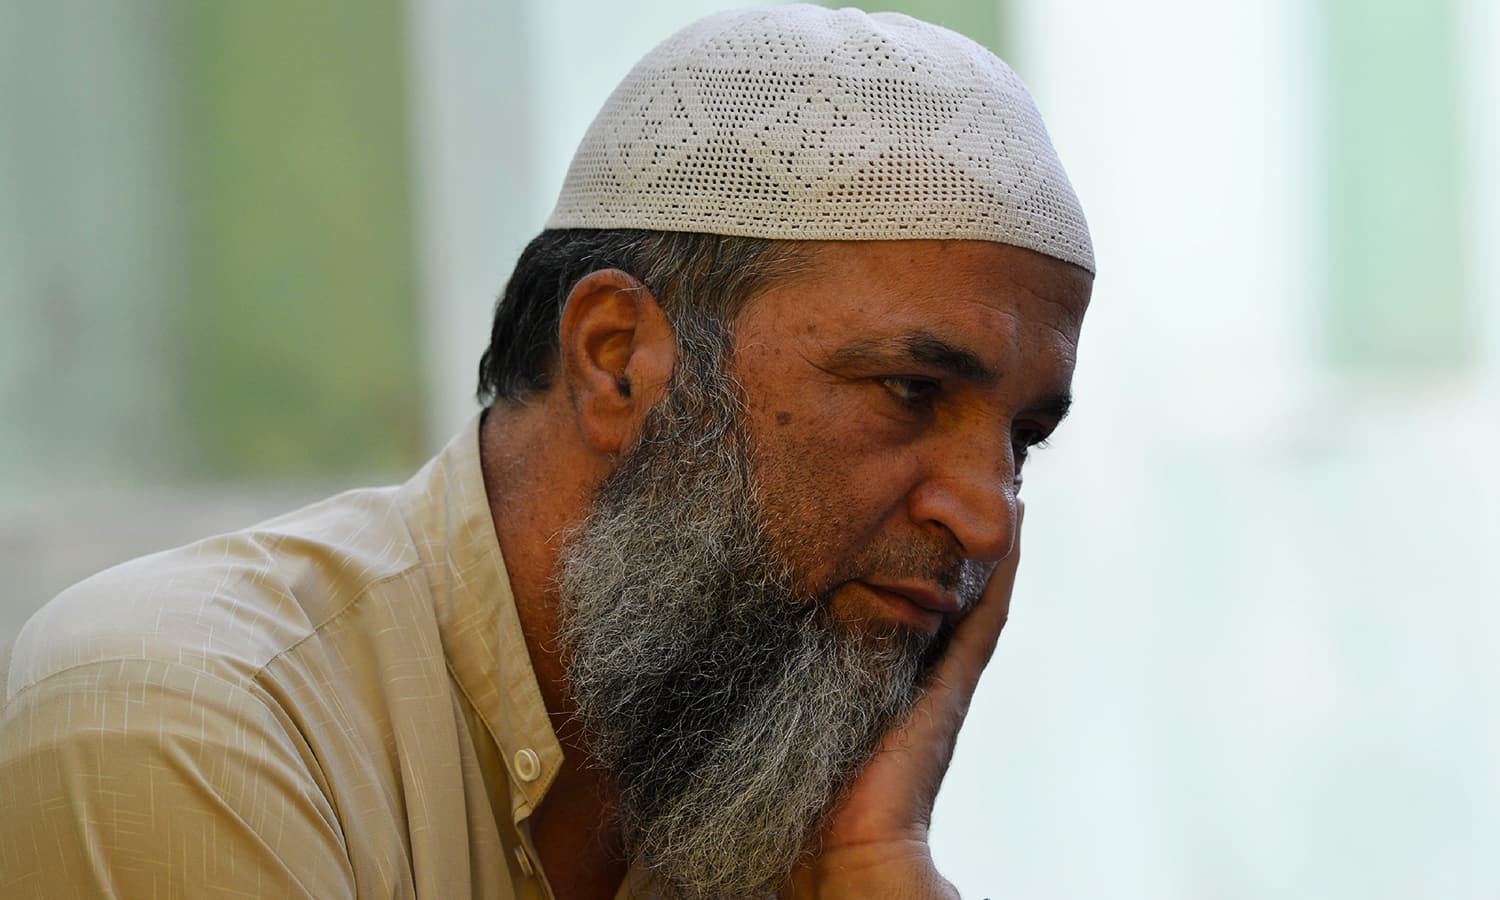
pixel 804 123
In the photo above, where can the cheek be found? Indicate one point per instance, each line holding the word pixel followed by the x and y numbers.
pixel 828 492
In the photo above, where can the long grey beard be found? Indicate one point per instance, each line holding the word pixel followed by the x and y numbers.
pixel 729 710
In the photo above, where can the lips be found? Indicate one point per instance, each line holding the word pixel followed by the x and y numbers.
pixel 916 605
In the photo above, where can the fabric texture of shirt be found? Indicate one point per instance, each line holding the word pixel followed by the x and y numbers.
pixel 335 703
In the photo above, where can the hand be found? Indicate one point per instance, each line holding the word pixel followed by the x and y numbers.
pixel 875 844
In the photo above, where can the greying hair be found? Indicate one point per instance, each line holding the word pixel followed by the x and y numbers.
pixel 701 281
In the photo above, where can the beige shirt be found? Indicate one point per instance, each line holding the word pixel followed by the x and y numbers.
pixel 335 703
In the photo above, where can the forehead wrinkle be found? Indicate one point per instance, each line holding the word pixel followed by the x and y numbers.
pixel 1031 331
pixel 1071 314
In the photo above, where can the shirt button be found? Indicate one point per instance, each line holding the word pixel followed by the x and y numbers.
pixel 524 861
pixel 528 767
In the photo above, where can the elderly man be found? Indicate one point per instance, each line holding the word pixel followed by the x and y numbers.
pixel 695 607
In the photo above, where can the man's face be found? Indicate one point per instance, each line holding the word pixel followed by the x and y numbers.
pixel 763 579
pixel 893 391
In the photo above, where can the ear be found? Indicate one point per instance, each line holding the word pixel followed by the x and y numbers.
pixel 616 351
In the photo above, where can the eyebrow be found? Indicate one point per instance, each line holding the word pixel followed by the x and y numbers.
pixel 926 348
pixel 922 347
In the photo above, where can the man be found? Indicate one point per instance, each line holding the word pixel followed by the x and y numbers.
pixel 696 606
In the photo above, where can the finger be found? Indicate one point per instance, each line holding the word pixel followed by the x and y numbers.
pixel 974 639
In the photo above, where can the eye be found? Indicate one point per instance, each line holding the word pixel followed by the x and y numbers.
pixel 917 393
pixel 1024 440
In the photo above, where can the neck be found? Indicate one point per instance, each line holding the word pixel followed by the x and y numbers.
pixel 538 485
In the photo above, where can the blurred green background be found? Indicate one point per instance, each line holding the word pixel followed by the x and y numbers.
pixel 248 253
pixel 208 242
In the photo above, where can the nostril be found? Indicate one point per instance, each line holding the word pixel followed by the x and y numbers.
pixel 980 517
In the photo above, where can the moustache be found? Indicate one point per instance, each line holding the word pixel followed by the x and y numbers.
pixel 928 559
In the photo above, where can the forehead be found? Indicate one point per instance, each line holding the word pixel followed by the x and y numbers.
pixel 991 297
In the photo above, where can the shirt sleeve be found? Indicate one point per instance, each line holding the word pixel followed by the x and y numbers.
pixel 139 778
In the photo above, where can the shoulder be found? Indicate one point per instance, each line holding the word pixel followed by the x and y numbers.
pixel 226 605
pixel 120 776
pixel 144 715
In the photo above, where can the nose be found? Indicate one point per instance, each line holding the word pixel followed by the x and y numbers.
pixel 970 491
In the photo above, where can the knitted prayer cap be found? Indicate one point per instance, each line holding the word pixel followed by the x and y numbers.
pixel 804 123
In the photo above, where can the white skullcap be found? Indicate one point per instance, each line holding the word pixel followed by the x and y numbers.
pixel 804 123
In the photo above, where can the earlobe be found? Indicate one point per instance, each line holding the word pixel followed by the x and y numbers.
pixel 616 351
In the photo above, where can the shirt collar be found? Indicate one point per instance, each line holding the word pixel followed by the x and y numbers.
pixel 448 511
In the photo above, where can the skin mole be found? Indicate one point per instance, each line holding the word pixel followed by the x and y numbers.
pixel 783 418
